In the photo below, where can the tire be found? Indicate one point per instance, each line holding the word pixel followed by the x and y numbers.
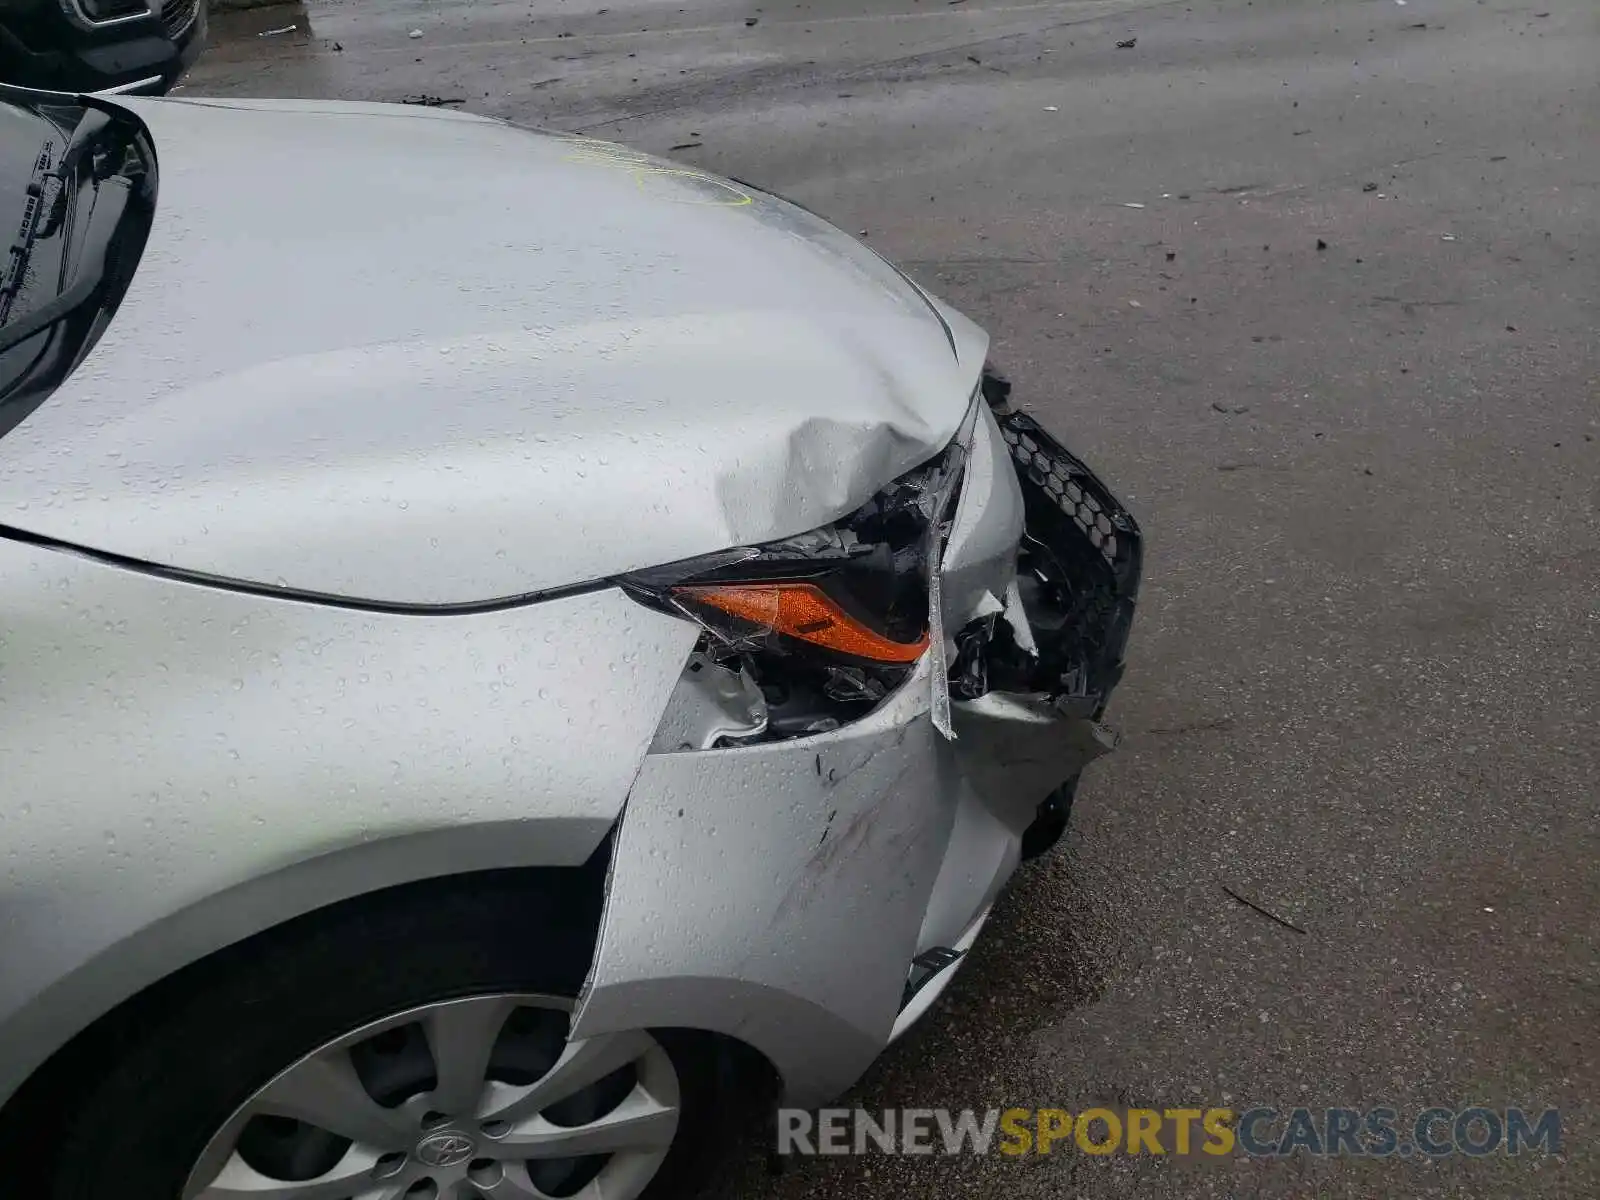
pixel 355 989
pixel 1049 821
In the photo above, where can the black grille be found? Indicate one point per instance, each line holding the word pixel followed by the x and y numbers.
pixel 1084 550
pixel 178 15
pixel 1074 489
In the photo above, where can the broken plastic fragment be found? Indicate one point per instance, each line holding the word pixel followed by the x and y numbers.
pixel 1022 746
pixel 987 606
pixel 710 705
pixel 1017 618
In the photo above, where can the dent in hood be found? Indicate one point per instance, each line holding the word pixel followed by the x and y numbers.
pixel 480 363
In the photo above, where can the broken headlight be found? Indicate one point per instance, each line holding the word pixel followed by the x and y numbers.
pixel 828 622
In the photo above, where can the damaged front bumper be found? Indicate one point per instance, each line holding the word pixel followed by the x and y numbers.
pixel 809 888
pixel 1031 677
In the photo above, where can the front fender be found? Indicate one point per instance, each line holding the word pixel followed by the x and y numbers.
pixel 184 767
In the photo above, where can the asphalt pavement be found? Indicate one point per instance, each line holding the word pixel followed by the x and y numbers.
pixel 1316 285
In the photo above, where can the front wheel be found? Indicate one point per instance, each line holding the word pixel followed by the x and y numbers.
pixel 418 1053
pixel 1049 820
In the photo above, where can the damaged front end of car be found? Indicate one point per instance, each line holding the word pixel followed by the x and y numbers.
pixel 879 719
pixel 1027 616
pixel 808 633
pixel 1078 568
pixel 1031 679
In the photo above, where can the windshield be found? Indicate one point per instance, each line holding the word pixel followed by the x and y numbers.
pixel 77 187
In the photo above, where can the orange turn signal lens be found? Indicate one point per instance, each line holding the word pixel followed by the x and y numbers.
pixel 804 611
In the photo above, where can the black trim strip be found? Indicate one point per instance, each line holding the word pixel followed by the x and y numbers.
pixel 301 595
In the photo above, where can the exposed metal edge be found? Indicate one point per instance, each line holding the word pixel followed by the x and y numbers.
pixel 301 595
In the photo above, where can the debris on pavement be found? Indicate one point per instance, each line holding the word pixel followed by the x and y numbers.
pixel 1051 108
pixel 1128 44
pixel 687 146
pixel 1321 244
pixel 1251 904
pixel 1369 187
pixel 275 32
pixel 749 21
pixel 427 100
pixel 414 34
pixel 1132 204
pixel 1447 237
pixel 1230 409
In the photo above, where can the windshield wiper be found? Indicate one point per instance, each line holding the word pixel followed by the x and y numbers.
pixel 28 233
pixel 91 125
pixel 98 239
pixel 38 224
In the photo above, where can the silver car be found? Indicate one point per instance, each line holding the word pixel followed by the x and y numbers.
pixel 494 628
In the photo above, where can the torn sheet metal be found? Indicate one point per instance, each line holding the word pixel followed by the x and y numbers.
pixel 1016 748
pixel 979 554
pixel 795 874
pixel 980 551
pixel 1017 617
pixel 938 661
pixel 987 606
pixel 711 704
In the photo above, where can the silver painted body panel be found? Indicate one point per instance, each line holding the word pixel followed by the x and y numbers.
pixel 778 893
pixel 184 767
pixel 501 357
pixel 497 363
pixel 775 892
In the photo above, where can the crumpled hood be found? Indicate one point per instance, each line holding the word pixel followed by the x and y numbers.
pixel 420 357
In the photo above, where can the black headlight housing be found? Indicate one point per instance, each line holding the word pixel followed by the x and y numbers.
pixel 827 622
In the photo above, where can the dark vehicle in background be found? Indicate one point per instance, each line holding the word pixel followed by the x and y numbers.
pixel 99 45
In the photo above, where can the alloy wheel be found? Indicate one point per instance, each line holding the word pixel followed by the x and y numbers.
pixel 481 1098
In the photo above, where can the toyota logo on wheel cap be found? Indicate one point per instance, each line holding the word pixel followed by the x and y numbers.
pixel 448 1148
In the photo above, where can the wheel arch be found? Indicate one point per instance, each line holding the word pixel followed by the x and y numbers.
pixel 110 995
pixel 34 1113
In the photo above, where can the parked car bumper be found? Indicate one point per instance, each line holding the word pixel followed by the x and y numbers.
pixel 43 46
